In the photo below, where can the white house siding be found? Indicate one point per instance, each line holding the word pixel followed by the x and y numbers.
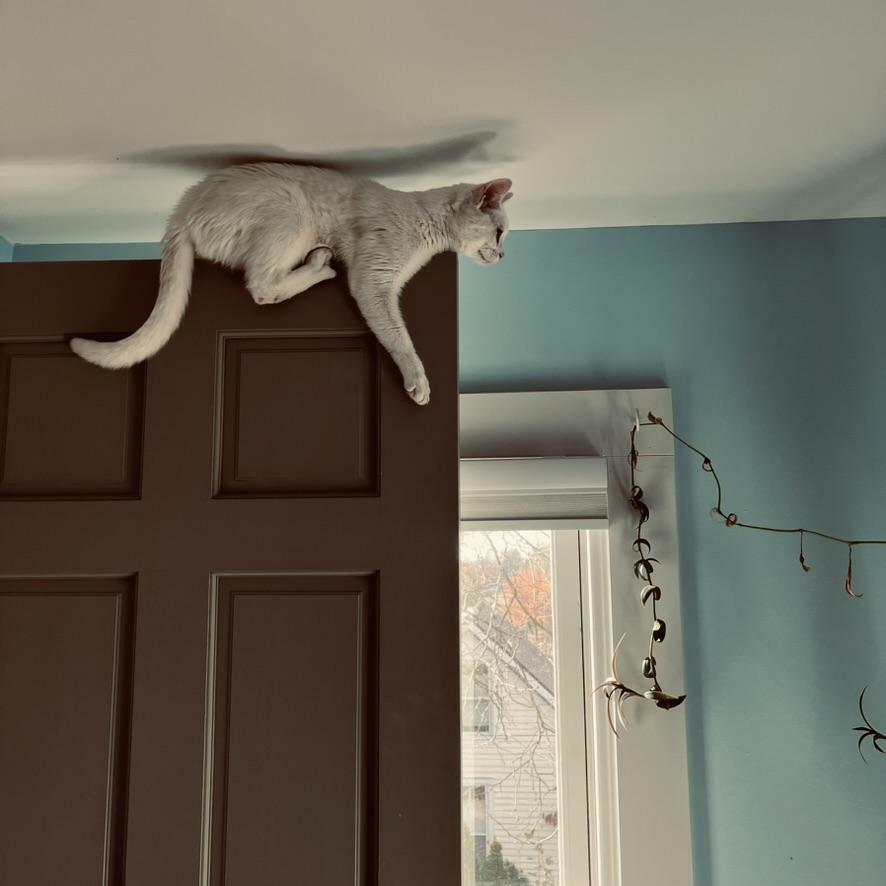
pixel 516 762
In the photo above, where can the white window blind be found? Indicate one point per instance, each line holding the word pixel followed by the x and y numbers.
pixel 544 492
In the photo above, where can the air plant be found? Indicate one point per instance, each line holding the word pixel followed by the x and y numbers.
pixel 617 693
pixel 868 730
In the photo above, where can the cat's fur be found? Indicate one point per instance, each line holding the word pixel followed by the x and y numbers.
pixel 283 224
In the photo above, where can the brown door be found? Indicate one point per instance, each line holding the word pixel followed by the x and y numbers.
pixel 228 590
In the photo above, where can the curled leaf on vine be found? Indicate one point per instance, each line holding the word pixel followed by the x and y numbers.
pixel 639 543
pixel 878 739
pixel 617 693
pixel 635 456
pixel 803 563
pixel 653 591
pixel 639 505
pixel 848 585
pixel 643 568
pixel 654 419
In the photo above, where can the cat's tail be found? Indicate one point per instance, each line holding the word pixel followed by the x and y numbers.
pixel 176 268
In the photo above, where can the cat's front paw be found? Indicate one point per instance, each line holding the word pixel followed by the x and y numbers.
pixel 419 389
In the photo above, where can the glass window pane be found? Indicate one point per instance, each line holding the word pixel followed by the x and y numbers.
pixel 509 764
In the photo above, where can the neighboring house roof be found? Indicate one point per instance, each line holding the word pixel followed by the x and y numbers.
pixel 516 650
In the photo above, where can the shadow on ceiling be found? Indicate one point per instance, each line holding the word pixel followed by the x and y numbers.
pixel 469 148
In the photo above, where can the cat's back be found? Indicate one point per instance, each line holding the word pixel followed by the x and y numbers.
pixel 264 184
pixel 228 208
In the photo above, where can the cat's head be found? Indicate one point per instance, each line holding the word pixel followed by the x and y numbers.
pixel 482 224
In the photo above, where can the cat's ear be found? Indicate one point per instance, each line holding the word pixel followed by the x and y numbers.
pixel 492 194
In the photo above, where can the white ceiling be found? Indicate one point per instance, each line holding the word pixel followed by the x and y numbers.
pixel 604 112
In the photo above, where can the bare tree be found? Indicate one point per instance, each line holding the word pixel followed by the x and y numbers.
pixel 508 704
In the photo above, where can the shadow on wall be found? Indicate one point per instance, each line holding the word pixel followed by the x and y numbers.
pixel 839 190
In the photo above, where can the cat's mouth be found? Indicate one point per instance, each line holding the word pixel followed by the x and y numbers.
pixel 489 256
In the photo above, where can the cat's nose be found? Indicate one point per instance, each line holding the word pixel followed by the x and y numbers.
pixel 501 254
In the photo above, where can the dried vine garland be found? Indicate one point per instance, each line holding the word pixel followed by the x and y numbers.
pixel 614 688
pixel 731 519
pixel 616 691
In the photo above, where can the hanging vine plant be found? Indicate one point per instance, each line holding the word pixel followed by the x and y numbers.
pixel 616 691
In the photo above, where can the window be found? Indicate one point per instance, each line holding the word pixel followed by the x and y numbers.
pixel 476 823
pixel 477 709
pixel 507 642
pixel 546 579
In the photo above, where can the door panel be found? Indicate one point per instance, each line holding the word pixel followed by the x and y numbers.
pixel 262 450
pixel 287 520
pixel 49 395
pixel 295 681
pixel 65 687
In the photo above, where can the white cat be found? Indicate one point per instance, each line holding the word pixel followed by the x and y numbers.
pixel 282 224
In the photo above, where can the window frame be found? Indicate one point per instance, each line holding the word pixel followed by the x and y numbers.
pixel 471 701
pixel 643 776
pixel 474 786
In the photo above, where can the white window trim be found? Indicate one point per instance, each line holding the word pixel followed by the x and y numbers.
pixel 471 785
pixel 476 735
pixel 636 789
pixel 549 492
pixel 574 785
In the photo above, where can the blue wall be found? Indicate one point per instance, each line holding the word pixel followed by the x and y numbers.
pixel 85 251
pixel 5 250
pixel 770 336
pixel 771 339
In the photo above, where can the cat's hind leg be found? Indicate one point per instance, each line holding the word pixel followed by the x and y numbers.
pixel 272 287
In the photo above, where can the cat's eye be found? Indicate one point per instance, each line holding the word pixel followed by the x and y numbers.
pixel 499 233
